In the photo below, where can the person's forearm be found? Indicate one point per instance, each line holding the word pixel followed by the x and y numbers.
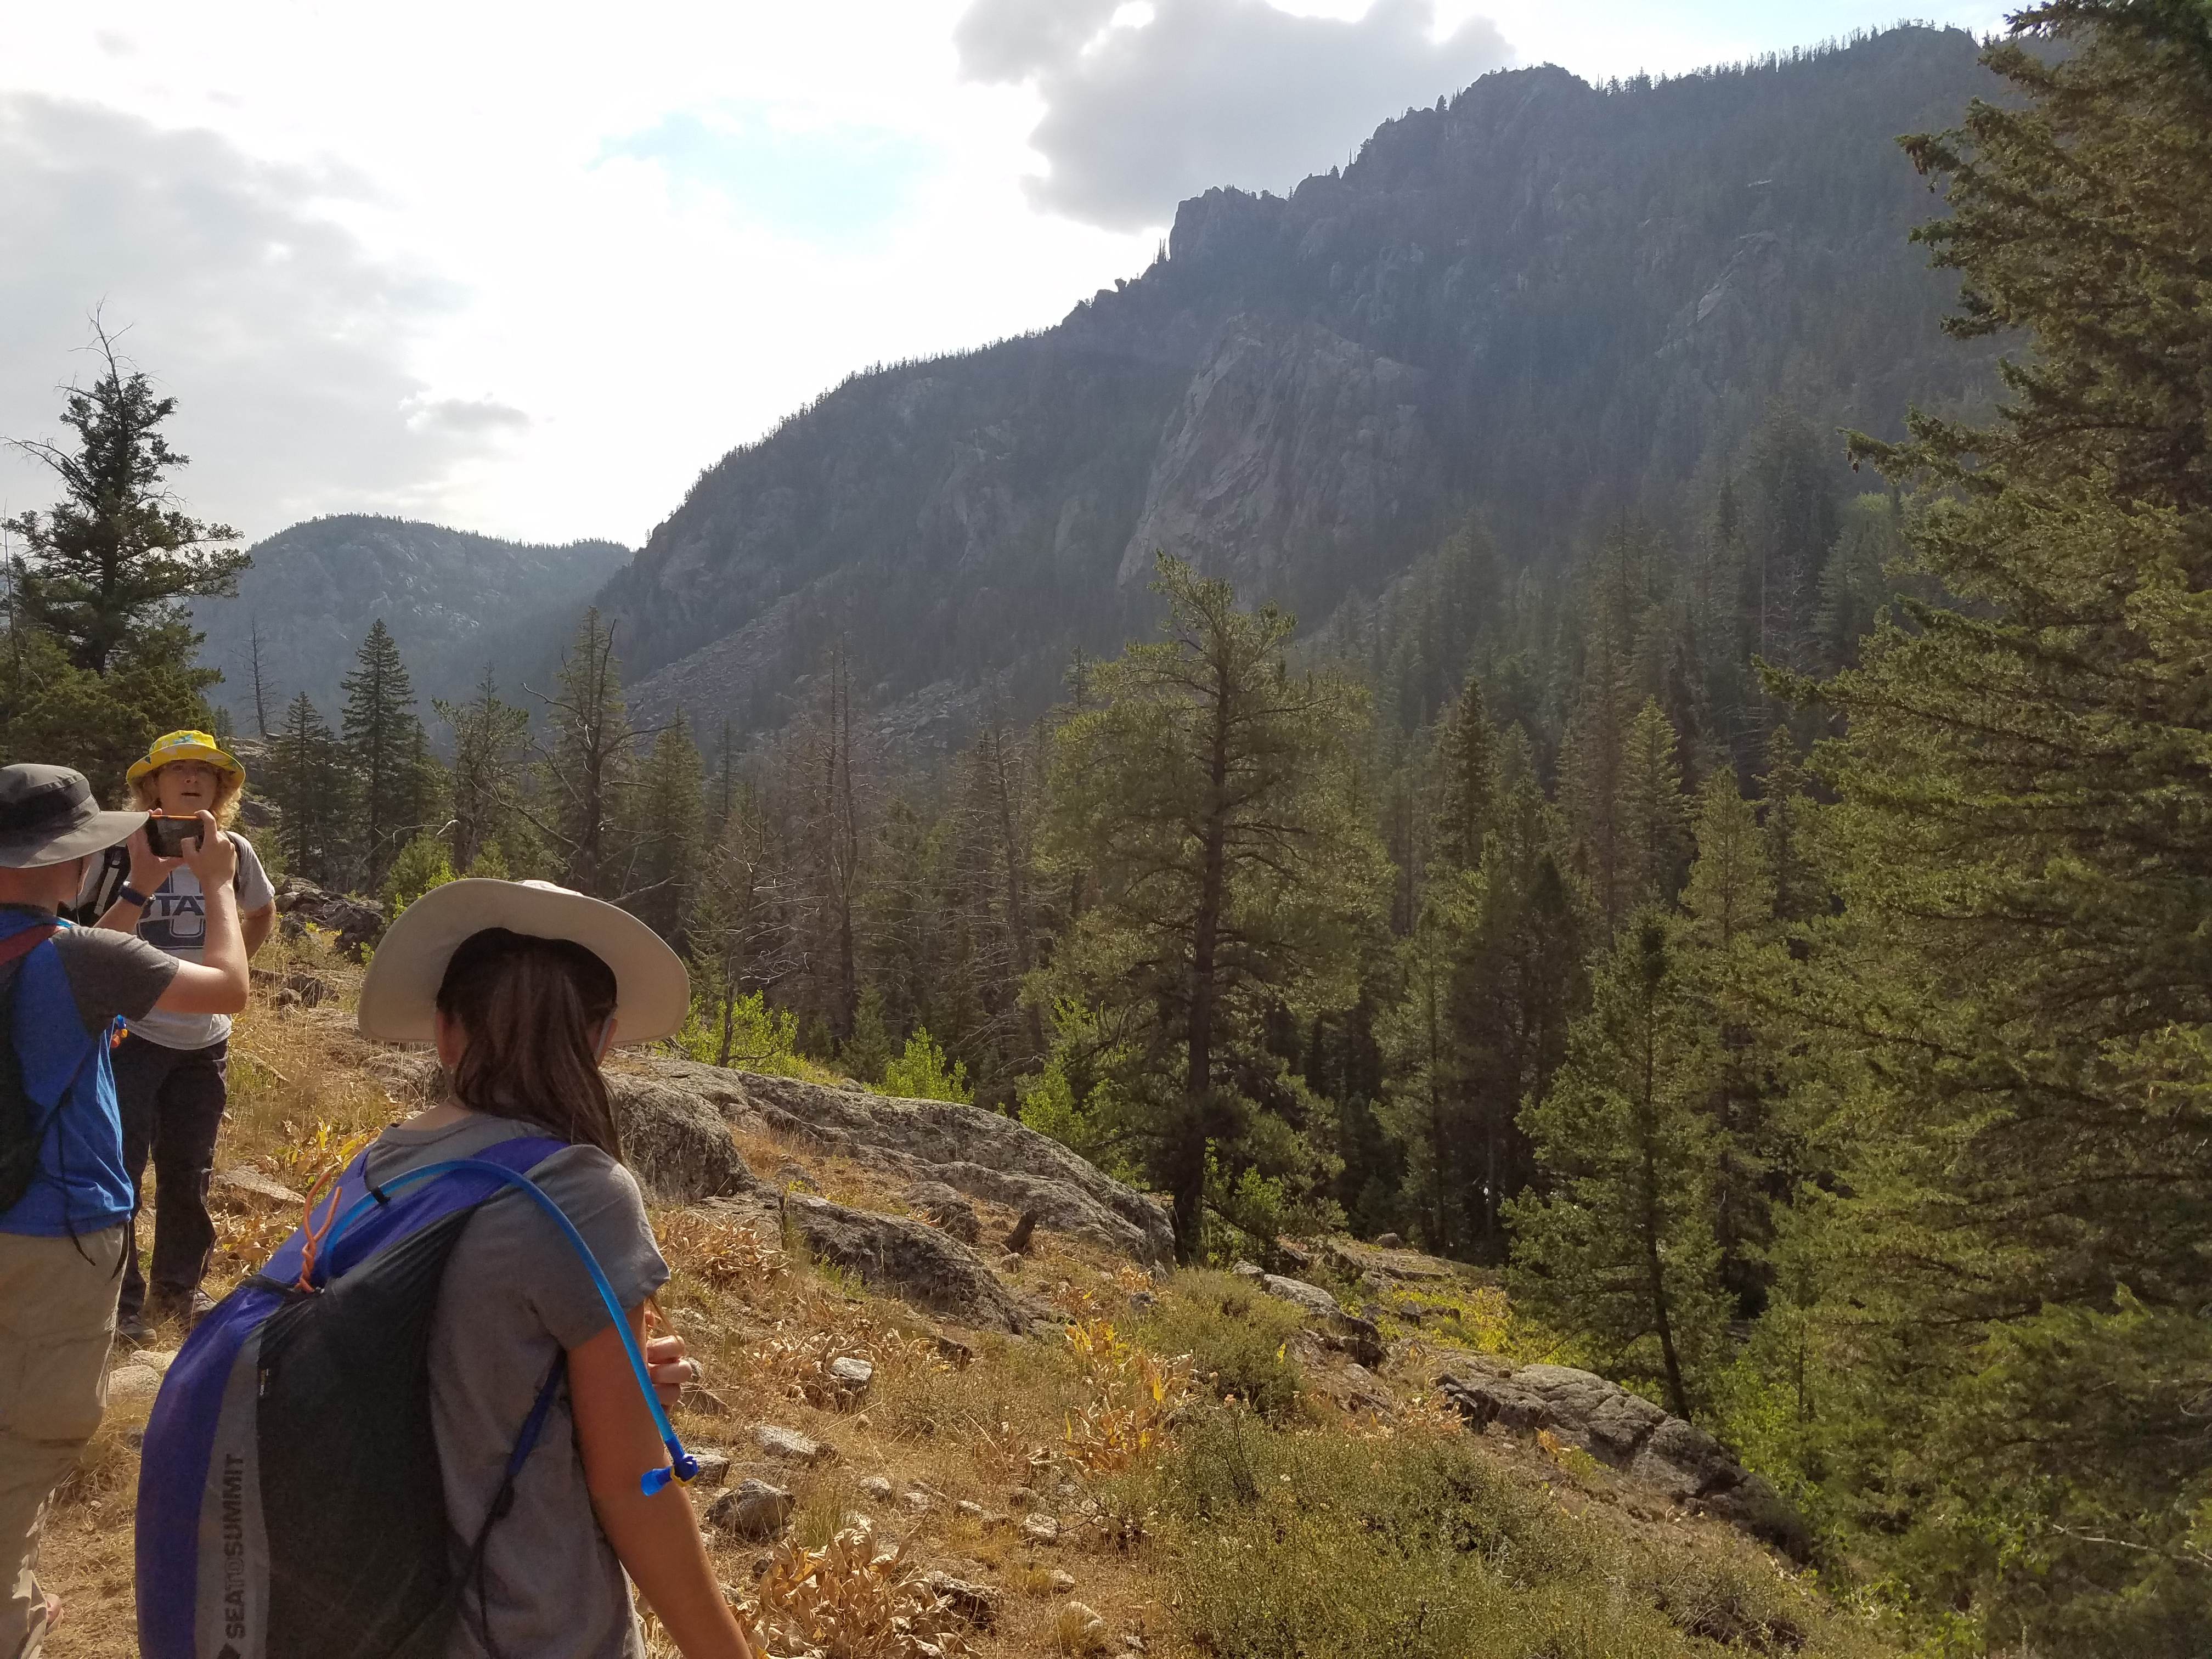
pixel 223 946
pixel 257 925
pixel 656 1538
pixel 658 1543
pixel 121 917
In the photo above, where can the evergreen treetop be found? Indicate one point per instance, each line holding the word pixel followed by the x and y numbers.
pixel 103 570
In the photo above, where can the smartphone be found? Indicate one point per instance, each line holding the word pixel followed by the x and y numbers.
pixel 167 835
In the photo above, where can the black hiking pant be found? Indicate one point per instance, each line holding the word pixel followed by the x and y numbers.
pixel 171 1101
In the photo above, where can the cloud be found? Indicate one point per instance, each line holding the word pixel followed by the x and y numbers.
pixel 1141 111
pixel 284 340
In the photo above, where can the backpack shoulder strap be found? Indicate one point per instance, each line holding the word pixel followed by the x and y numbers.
pixel 19 945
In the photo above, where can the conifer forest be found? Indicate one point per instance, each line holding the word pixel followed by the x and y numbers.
pixel 1776 936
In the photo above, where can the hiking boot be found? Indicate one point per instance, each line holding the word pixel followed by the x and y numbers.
pixel 135 1329
pixel 187 1310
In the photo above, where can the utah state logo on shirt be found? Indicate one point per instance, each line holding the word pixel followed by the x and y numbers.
pixel 174 922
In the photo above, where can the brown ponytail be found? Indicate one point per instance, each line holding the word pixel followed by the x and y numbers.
pixel 532 1010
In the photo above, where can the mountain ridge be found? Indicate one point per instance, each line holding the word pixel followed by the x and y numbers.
pixel 1536 302
pixel 455 601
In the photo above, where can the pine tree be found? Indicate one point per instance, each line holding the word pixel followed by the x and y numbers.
pixel 1652 838
pixel 1729 946
pixel 103 571
pixel 2021 981
pixel 310 783
pixel 588 766
pixel 389 753
pixel 1426 1109
pixel 1204 793
pixel 490 738
pixel 668 832
pixel 1466 780
pixel 1619 1246
pixel 1517 980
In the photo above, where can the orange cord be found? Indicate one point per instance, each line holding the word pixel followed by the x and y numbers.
pixel 317 1231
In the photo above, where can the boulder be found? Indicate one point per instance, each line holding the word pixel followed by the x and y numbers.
pixel 355 921
pixel 752 1510
pixel 910 1259
pixel 1347 1334
pixel 945 1208
pixel 1626 1432
pixel 969 1149
pixel 676 1144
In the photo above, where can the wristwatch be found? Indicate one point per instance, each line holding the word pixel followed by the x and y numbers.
pixel 131 895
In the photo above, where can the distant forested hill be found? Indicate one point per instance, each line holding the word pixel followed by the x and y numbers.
pixel 454 601
pixel 1542 303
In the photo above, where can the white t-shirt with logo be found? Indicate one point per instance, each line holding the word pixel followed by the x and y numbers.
pixel 175 921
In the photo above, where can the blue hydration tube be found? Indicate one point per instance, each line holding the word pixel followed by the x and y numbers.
pixel 682 1467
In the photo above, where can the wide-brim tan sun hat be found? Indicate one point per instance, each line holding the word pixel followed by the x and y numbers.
pixel 399 997
pixel 183 746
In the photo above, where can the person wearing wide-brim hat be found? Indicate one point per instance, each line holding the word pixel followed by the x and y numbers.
pixel 64 1194
pixel 171 1070
pixel 524 987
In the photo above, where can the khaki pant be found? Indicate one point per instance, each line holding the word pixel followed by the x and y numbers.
pixel 56 1319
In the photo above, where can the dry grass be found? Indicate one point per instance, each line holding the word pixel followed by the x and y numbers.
pixel 1091 1421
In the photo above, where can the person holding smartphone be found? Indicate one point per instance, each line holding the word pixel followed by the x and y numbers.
pixel 171 1066
pixel 64 1197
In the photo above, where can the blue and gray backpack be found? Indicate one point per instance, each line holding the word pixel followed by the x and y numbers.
pixel 290 1502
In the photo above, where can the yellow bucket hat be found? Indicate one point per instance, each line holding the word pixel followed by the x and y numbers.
pixel 184 745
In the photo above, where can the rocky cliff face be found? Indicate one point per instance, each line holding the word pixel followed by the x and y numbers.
pixel 1536 301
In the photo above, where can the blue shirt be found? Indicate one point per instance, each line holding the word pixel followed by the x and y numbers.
pixel 68 993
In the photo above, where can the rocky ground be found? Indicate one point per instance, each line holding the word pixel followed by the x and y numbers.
pixel 939 1393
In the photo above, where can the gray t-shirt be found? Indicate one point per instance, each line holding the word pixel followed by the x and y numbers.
pixel 516 1296
pixel 175 921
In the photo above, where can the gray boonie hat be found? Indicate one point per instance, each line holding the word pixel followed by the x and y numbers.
pixel 48 815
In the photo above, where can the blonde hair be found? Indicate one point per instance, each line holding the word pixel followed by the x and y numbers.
pixel 146 792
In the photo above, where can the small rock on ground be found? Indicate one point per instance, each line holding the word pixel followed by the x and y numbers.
pixel 751 1509
pixel 1040 1529
pixel 1081 1630
pixel 877 1488
pixel 791 1446
pixel 852 1374
pixel 918 1502
pixel 1062 1580
pixel 133 1382
pixel 713 1466
pixel 976 1604
pixel 1024 1498
pixel 972 1510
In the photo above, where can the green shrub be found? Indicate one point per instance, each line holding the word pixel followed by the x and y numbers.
pixel 1283 1545
pixel 1237 1338
pixel 744 1033
pixel 921 1073
pixel 423 864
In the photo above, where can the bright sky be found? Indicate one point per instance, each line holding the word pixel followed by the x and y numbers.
pixel 526 270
